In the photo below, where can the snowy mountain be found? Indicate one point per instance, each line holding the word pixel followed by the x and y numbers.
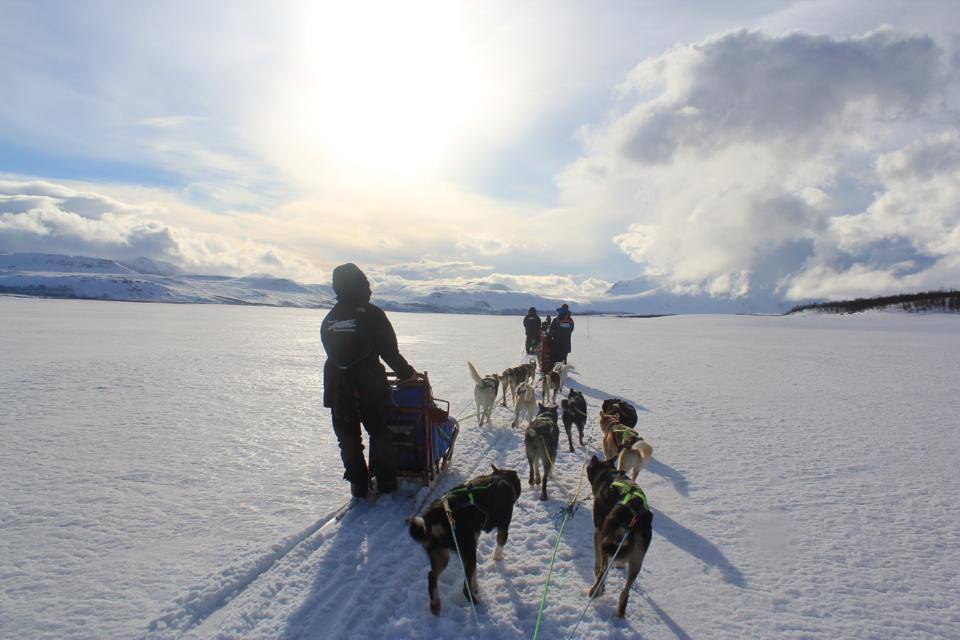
pixel 145 280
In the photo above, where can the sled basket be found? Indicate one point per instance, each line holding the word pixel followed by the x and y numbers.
pixel 423 430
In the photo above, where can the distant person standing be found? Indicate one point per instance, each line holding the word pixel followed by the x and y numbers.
pixel 355 335
pixel 561 329
pixel 531 327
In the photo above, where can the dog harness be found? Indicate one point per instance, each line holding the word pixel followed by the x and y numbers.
pixel 470 491
pixel 466 490
pixel 625 435
pixel 545 418
pixel 629 492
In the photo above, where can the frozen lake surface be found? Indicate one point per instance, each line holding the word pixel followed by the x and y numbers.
pixel 164 469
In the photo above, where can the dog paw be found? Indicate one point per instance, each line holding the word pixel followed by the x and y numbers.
pixel 498 553
pixel 466 594
pixel 435 607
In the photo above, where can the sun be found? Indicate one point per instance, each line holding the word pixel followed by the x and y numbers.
pixel 386 87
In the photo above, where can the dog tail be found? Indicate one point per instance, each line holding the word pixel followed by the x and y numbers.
pixel 418 529
pixel 473 373
pixel 645 449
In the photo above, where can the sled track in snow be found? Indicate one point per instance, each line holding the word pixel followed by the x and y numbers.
pixel 191 614
pixel 191 609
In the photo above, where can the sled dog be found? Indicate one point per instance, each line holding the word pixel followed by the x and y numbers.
pixel 551 386
pixel 620 512
pixel 484 393
pixel 509 380
pixel 482 504
pixel 526 404
pixel 540 441
pixel 624 411
pixel 562 368
pixel 574 413
pixel 619 437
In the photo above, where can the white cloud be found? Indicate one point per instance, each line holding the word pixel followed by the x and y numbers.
pixel 428 269
pixel 38 216
pixel 734 164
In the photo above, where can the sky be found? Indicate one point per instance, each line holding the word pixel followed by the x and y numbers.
pixel 795 150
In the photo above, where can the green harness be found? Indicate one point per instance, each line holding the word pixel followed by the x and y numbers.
pixel 625 434
pixel 630 491
pixel 468 490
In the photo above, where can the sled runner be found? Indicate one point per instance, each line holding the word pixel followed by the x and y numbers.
pixel 423 430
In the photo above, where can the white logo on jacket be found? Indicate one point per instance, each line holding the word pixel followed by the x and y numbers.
pixel 341 326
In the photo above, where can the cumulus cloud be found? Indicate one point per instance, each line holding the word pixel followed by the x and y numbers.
pixel 427 269
pixel 428 274
pixel 750 161
pixel 38 216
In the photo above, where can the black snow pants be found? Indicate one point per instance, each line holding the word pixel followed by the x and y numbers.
pixel 348 413
pixel 533 341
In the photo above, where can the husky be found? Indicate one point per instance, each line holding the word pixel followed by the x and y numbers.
pixel 509 379
pixel 482 504
pixel 540 441
pixel 562 368
pixel 624 411
pixel 574 413
pixel 484 393
pixel 551 386
pixel 526 403
pixel 633 453
pixel 531 371
pixel 620 513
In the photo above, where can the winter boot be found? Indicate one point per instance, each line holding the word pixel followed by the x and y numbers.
pixel 359 489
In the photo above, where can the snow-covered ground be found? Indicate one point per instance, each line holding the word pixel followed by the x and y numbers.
pixel 168 471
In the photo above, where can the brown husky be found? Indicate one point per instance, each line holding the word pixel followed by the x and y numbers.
pixel 623 526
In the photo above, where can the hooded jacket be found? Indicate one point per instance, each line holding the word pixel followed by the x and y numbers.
pixel 355 335
pixel 561 330
pixel 531 323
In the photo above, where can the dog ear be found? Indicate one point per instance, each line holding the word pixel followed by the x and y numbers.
pixel 494 467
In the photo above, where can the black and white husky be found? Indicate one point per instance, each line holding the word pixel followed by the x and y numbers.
pixel 540 441
pixel 526 404
pixel 481 504
pixel 620 513
pixel 574 413
pixel 484 393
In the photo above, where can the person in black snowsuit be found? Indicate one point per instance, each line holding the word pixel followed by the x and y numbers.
pixel 561 330
pixel 531 327
pixel 355 335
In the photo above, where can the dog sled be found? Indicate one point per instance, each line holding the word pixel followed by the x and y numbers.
pixel 424 432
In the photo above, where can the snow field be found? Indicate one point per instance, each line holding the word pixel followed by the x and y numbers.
pixel 803 480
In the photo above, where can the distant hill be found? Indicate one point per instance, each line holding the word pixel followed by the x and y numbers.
pixel 925 301
pixel 145 280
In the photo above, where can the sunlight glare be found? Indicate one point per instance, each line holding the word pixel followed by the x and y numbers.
pixel 387 86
